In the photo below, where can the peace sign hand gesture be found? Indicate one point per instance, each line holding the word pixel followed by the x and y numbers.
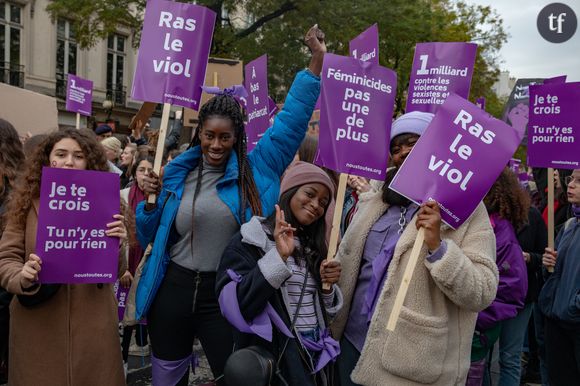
pixel 283 235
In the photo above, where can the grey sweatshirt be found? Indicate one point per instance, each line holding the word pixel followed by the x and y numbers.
pixel 213 226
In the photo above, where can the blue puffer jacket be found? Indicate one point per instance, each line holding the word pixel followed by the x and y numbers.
pixel 268 161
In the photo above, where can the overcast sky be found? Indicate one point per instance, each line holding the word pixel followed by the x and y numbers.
pixel 527 54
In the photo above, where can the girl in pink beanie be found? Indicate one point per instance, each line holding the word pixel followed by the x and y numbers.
pixel 270 283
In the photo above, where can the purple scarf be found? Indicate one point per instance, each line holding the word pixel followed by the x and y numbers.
pixel 261 325
pixel 328 347
pixel 576 210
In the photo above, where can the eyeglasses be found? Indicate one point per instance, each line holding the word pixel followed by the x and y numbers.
pixel 571 179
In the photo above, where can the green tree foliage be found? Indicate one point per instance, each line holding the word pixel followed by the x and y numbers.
pixel 276 27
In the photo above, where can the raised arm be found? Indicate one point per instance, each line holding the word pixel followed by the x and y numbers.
pixel 277 147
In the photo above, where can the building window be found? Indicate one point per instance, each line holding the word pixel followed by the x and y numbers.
pixel 11 71
pixel 66 55
pixel 116 55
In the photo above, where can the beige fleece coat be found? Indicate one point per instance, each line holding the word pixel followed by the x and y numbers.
pixel 431 344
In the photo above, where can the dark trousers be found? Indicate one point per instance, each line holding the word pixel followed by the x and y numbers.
pixel 562 353
pixel 140 338
pixel 346 362
pixel 174 320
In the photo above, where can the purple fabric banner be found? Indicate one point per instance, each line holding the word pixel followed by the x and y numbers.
pixel 438 70
pixel 554 126
pixel 79 95
pixel 75 207
pixel 258 102
pixel 365 46
pixel 121 295
pixel 357 100
pixel 480 102
pixel 457 159
pixel 173 55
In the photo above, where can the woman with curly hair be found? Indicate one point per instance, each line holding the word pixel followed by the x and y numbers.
pixel 11 161
pixel 208 192
pixel 60 334
pixel 507 205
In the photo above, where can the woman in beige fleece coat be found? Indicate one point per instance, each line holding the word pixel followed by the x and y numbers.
pixel 455 278
pixel 60 335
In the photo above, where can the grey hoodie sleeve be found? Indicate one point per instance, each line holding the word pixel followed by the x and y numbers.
pixel 274 268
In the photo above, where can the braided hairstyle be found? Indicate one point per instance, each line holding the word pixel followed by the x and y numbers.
pixel 226 106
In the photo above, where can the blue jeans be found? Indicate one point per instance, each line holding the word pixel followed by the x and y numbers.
pixel 511 341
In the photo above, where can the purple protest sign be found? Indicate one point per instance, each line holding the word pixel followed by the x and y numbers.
pixel 457 159
pixel 173 55
pixel 365 46
pixel 121 294
pixel 272 107
pixel 556 80
pixel 438 70
pixel 75 206
pixel 357 100
pixel 317 105
pixel 554 126
pixel 258 106
pixel 79 95
pixel 480 102
pixel 514 164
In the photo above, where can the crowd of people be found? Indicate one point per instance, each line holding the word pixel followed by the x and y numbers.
pixel 233 252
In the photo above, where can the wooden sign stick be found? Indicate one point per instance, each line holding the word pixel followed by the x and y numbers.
pixel 339 204
pixel 551 211
pixel 160 146
pixel 78 125
pixel 407 276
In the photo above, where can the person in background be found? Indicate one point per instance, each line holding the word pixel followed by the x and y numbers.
pixel 533 239
pixel 31 143
pixel 126 163
pixel 103 131
pixel 112 148
pixel 559 299
pixel 11 164
pixel 355 187
pixel 171 155
pixel 133 195
pixel 208 192
pixel 455 278
pixel 508 205
pixel 59 334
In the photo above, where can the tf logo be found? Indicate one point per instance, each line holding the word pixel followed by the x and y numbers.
pixel 557 22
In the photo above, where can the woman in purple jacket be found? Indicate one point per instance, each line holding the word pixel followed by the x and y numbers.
pixel 508 206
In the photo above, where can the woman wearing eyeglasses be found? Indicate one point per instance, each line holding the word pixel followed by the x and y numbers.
pixel 560 296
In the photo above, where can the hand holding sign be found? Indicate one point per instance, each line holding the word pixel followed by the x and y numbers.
pixel 117 228
pixel 29 272
pixel 429 218
pixel 549 259
pixel 151 186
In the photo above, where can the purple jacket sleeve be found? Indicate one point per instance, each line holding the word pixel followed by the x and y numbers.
pixel 513 279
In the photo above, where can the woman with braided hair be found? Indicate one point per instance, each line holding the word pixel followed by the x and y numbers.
pixel 206 194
